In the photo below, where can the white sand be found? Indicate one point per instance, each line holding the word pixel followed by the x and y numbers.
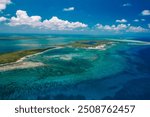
pixel 99 47
pixel 20 65
pixel 67 57
pixel 132 41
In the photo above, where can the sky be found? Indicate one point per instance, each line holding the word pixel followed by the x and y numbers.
pixel 106 17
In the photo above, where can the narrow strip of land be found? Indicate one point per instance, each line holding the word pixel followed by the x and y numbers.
pixel 15 56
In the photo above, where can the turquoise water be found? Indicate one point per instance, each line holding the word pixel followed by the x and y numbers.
pixel 122 71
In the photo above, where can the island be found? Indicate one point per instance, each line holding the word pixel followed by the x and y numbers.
pixel 15 56
pixel 94 44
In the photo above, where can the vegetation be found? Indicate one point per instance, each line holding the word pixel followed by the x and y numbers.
pixel 86 44
pixel 14 56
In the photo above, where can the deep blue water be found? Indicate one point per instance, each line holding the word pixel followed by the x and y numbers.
pixel 121 72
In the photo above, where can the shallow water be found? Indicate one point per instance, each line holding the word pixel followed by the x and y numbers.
pixel 119 72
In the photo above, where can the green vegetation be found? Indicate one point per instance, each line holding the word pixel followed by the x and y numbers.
pixel 86 44
pixel 14 56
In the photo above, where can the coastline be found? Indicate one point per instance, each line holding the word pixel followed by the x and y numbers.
pixel 132 41
pixel 21 64
pixel 33 53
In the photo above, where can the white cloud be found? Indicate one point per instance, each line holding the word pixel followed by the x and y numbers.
pixel 127 5
pixel 57 24
pixel 69 9
pixel 146 12
pixel 3 4
pixel 136 20
pixel 23 19
pixel 137 29
pixel 2 19
pixel 115 28
pixel 121 28
pixel 121 21
pixel 54 23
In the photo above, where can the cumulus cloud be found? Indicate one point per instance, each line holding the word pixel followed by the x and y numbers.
pixel 121 21
pixel 136 29
pixel 4 3
pixel 121 28
pixel 22 18
pixel 2 19
pixel 127 5
pixel 69 9
pixel 57 24
pixel 136 20
pixel 145 12
pixel 112 28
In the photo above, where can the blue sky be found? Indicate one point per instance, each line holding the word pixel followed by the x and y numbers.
pixel 113 17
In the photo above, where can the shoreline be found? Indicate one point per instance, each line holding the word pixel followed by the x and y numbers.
pixel 132 41
pixel 21 64
pixel 27 56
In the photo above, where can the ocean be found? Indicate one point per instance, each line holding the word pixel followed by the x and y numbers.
pixel 120 72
